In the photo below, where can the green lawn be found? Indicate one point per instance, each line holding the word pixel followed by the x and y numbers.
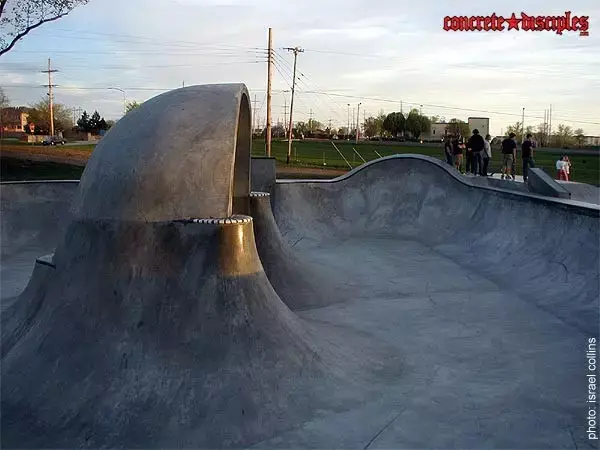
pixel 17 170
pixel 586 168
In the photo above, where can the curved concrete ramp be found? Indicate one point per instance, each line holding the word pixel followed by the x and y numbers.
pixel 151 328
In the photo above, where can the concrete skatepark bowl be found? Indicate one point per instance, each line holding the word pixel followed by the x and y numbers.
pixel 398 306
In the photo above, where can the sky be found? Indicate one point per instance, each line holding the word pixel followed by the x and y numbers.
pixel 388 55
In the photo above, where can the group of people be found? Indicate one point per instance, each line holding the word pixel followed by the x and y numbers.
pixel 477 153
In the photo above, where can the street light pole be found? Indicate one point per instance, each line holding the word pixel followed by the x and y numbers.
pixel 348 129
pixel 357 122
pixel 124 100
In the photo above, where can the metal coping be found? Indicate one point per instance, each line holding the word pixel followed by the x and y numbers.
pixel 219 221
pixel 259 194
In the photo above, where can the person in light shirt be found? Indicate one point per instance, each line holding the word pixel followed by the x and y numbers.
pixel 562 168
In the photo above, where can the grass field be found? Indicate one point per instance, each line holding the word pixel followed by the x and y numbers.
pixel 586 168
pixel 307 154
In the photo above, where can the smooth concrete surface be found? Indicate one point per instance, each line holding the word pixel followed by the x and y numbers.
pixel 541 183
pixel 399 306
pixel 263 172
pixel 153 163
pixel 33 219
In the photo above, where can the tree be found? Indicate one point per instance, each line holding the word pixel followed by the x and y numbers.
pixel 435 119
pixel 84 122
pixel 343 131
pixel 517 129
pixel 109 124
pixel 94 121
pixel 19 17
pixel 102 125
pixel 394 123
pixel 579 136
pixel 563 137
pixel 301 129
pixel 4 101
pixel 457 127
pixel 371 127
pixel 130 106
pixel 416 124
pixel 39 114
pixel 314 125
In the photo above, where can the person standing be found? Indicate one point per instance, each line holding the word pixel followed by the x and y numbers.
pixel 477 144
pixel 527 155
pixel 487 155
pixel 468 157
pixel 509 153
pixel 457 153
pixel 561 173
pixel 448 150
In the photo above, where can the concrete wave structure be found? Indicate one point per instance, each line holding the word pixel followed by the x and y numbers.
pixel 399 306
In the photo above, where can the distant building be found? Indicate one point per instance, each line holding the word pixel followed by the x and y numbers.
pixel 14 119
pixel 479 123
pixel 591 141
pixel 436 133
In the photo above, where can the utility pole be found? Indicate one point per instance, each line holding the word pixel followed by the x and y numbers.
pixel 550 127
pixel 353 116
pixel 523 126
pixel 295 50
pixel 545 127
pixel 284 114
pixel 50 71
pixel 348 129
pixel 254 110
pixel 310 121
pixel 269 77
pixel 357 122
pixel 400 106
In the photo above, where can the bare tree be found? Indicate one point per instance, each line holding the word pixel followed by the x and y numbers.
pixel 4 102
pixel 19 17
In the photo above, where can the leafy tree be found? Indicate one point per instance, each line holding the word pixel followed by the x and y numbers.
pixel 435 119
pixel 84 122
pixel 517 128
pixel 39 114
pixel 314 125
pixel 371 127
pixel 19 17
pixel 579 136
pixel 94 121
pixel 416 124
pixel 109 124
pixel 563 137
pixel 342 131
pixel 130 106
pixel 457 127
pixel 102 125
pixel 301 129
pixel 394 123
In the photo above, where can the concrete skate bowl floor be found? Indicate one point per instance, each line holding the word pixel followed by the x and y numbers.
pixel 404 260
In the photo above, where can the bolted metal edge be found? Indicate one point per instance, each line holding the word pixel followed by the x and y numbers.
pixel 259 194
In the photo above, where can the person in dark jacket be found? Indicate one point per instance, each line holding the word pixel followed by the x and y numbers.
pixel 476 144
pixel 509 153
pixel 448 150
pixel 468 157
pixel 527 155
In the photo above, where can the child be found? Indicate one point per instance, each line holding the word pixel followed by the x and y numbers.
pixel 561 169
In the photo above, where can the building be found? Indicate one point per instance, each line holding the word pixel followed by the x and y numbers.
pixel 436 133
pixel 591 141
pixel 14 119
pixel 479 123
